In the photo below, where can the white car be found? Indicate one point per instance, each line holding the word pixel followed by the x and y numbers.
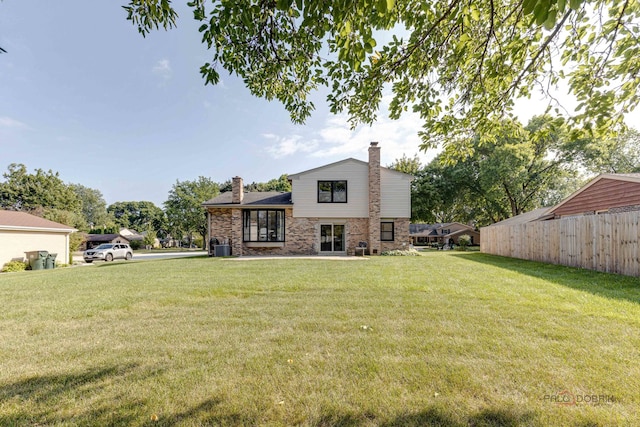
pixel 108 252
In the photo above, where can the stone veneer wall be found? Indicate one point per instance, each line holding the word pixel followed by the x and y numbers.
pixel 374 199
pixel 220 224
pixel 357 230
pixel 301 234
pixel 400 236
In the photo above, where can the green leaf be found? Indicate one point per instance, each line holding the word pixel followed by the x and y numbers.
pixel 551 20
pixel 390 5
pixel 528 6
pixel 562 4
pixel 381 6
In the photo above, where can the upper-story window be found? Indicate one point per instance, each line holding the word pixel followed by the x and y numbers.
pixel 332 191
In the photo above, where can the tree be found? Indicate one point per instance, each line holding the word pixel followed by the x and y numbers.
pixel 279 184
pixel 620 154
pixel 138 215
pixel 184 206
pixel 24 191
pixel 94 207
pixel 526 168
pixel 408 165
pixel 459 64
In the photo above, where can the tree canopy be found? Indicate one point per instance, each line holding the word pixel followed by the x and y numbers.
pixel 184 206
pixel 22 190
pixel 527 167
pixel 459 64
pixel 139 216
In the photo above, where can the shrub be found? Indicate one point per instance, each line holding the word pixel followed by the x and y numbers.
pixel 398 252
pixel 135 244
pixel 12 266
pixel 464 241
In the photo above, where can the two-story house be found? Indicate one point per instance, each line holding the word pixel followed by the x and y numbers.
pixel 331 209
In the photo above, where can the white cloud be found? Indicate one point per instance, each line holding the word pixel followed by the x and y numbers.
pixel 8 122
pixel 163 69
pixel 336 140
pixel 289 145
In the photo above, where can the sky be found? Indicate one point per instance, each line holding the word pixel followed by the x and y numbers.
pixel 82 93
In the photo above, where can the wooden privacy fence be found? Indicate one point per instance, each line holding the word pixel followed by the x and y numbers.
pixel 606 242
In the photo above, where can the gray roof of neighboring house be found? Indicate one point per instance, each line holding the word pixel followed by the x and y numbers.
pixel 104 237
pixel 419 228
pixel 276 198
pixel 23 220
pixel 534 215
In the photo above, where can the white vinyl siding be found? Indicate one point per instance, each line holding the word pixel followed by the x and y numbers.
pixel 14 244
pixel 304 191
pixel 395 194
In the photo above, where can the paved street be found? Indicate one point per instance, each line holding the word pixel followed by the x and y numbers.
pixel 77 257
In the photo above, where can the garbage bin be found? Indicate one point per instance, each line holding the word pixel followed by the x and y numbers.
pixel 50 261
pixel 37 259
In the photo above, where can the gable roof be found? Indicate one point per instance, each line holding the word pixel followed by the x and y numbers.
pixel 339 162
pixel 22 221
pixel 265 198
pixel 632 178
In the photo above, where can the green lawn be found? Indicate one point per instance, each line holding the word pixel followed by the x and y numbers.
pixel 444 339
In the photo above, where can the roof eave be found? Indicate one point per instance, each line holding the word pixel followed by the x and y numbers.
pixel 24 228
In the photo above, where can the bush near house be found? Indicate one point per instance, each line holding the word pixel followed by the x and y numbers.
pixel 464 242
pixel 13 266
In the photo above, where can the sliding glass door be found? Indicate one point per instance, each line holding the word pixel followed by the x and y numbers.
pixel 332 238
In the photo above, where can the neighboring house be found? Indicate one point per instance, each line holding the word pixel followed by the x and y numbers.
pixel 425 234
pixel 606 193
pixel 594 228
pixel 93 240
pixel 131 235
pixel 331 209
pixel 21 232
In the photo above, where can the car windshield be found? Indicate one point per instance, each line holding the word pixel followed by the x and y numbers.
pixel 104 246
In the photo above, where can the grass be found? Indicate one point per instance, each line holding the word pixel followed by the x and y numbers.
pixel 444 339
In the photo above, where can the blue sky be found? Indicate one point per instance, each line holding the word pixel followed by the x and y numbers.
pixel 85 95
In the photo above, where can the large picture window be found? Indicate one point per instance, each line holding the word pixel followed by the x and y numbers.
pixel 386 231
pixel 332 191
pixel 263 225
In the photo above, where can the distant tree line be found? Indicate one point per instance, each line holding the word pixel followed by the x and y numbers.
pixel 522 168
pixel 45 194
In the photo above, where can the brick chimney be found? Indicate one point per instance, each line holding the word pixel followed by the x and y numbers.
pixel 237 190
pixel 374 198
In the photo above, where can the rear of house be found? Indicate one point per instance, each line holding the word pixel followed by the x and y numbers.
pixel 331 209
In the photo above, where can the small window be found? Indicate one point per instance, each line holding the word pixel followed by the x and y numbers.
pixel 386 231
pixel 332 191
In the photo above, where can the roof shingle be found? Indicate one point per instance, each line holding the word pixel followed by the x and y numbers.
pixel 15 219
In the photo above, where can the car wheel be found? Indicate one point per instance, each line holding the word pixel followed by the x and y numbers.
pixel 128 256
pixel 108 257
pixel 88 261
